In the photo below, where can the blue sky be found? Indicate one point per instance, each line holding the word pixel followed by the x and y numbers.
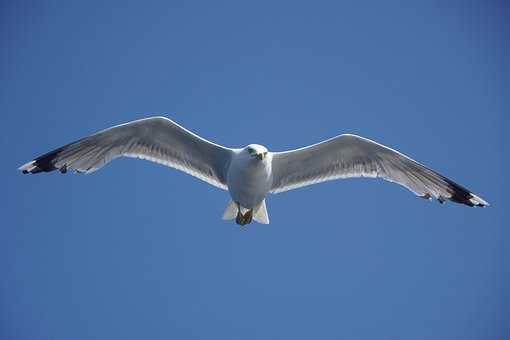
pixel 138 250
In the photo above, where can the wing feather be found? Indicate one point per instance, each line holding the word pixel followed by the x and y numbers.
pixel 157 139
pixel 347 156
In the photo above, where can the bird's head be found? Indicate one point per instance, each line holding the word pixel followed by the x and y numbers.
pixel 256 151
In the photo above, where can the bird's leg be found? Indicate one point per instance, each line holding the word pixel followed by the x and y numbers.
pixel 248 216
pixel 240 219
pixel 243 219
pixel 240 216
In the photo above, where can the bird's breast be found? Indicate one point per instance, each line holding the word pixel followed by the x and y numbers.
pixel 249 181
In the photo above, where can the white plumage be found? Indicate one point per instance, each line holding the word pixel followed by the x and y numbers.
pixel 250 173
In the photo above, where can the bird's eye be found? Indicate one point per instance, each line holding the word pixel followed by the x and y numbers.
pixel 250 150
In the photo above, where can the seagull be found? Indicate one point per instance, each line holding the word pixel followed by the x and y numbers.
pixel 250 173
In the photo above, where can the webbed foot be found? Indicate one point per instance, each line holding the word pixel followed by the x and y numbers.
pixel 246 218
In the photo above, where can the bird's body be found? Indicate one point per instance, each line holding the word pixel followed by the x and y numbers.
pixel 250 173
pixel 249 179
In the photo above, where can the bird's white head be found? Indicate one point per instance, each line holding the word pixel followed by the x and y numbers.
pixel 256 151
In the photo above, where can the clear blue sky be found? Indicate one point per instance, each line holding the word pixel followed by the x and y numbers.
pixel 138 251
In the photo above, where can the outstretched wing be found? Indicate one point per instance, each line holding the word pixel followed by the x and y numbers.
pixel 157 139
pixel 348 156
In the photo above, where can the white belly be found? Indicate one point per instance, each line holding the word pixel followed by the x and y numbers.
pixel 249 181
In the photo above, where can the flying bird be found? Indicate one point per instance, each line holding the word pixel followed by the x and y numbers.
pixel 250 173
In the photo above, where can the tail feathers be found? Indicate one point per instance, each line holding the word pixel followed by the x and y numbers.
pixel 231 211
pixel 260 213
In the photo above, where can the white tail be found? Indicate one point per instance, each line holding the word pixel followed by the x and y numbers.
pixel 231 211
pixel 259 212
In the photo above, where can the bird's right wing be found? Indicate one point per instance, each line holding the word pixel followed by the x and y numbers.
pixel 349 156
pixel 157 139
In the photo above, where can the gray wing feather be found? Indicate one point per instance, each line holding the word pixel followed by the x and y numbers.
pixel 157 139
pixel 348 156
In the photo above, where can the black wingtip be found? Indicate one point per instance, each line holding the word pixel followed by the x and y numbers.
pixel 44 163
pixel 458 194
pixel 462 195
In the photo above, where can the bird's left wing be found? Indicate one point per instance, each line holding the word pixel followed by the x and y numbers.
pixel 348 156
pixel 157 139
